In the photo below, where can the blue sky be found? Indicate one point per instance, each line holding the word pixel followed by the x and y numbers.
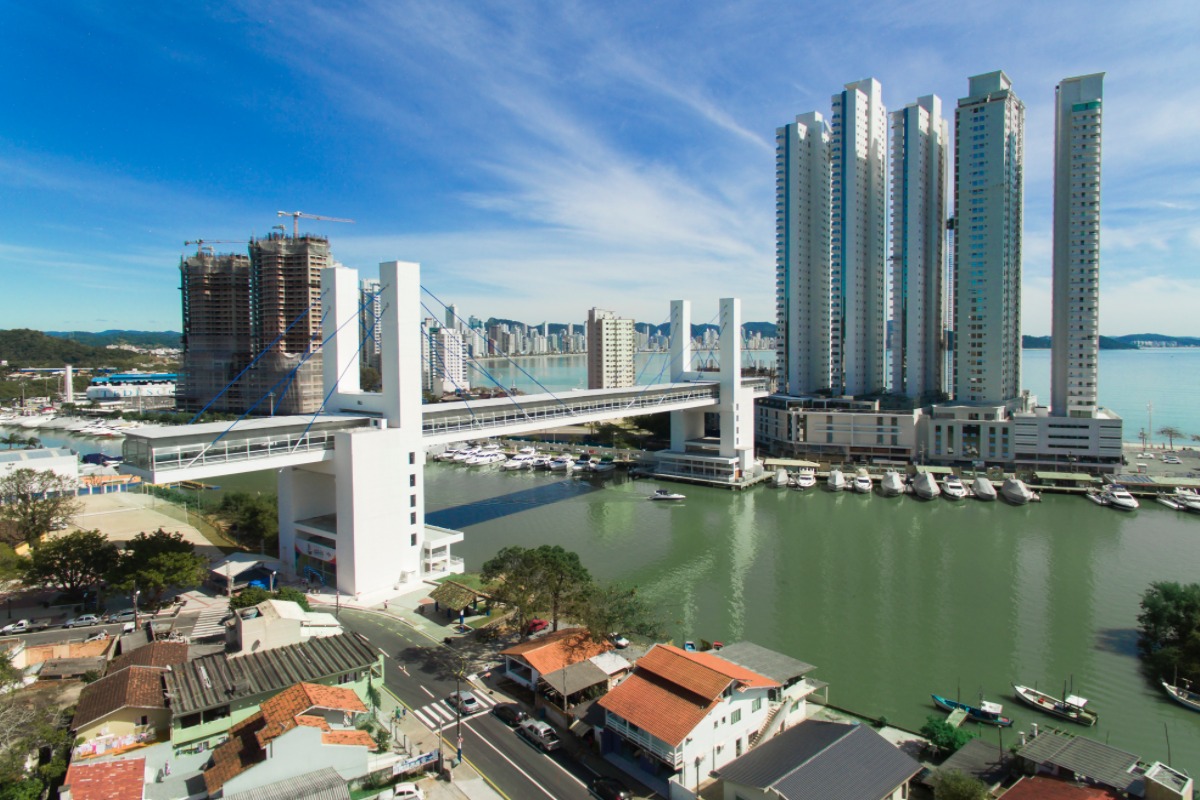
pixel 538 158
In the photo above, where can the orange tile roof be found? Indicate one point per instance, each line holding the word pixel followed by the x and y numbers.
pixel 557 650
pixel 240 752
pixel 1041 788
pixel 107 780
pixel 348 737
pixel 713 661
pixel 312 722
pixel 282 712
pixel 674 665
pixel 134 687
pixel 155 654
pixel 657 706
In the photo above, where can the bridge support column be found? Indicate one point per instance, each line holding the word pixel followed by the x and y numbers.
pixel 685 425
pixel 736 408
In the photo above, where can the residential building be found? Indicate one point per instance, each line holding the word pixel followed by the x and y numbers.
pixel 989 135
pixel 821 759
pixel 211 694
pixel 218 341
pixel 550 659
pixel 447 362
pixel 320 784
pixel 802 270
pixel 306 724
pixel 1075 329
pixel 277 623
pixel 1042 788
pixel 920 138
pixel 1082 760
pixel 370 315
pixel 121 710
pixel 681 715
pixel 107 780
pixel 838 428
pixel 610 349
pixel 858 238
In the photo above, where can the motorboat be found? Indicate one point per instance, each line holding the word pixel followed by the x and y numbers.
pixel 1015 491
pixel 450 452
pixel 520 461
pixel 466 453
pixel 986 712
pixel 983 488
pixel 805 478
pixel 1183 695
pixel 602 466
pixel 892 484
pixel 781 477
pixel 836 481
pixel 1071 708
pixel 925 486
pixel 666 494
pixel 863 483
pixel 1120 498
pixel 953 488
pixel 1187 498
pixel 484 458
pixel 539 461
pixel 561 463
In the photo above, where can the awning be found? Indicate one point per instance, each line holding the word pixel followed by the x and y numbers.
pixel 575 678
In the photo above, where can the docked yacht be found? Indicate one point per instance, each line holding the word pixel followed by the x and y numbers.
pixel 486 457
pixel 1118 497
pixel 1189 500
pixel 925 486
pixel 805 478
pixel 952 487
pixel 983 488
pixel 892 484
pixel 465 454
pixel 781 478
pixel 562 463
pixel 1015 491
pixel 862 482
pixel 521 460
pixel 603 466
pixel 836 481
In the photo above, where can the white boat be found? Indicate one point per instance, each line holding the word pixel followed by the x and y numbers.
pixel 1101 499
pixel 539 461
pixel 1120 498
pixel 520 461
pixel 561 463
pixel 781 477
pixel 836 481
pixel 983 488
pixel 450 452
pixel 1186 498
pixel 863 483
pixel 666 494
pixel 952 488
pixel 483 459
pixel 804 478
pixel 1015 491
pixel 603 466
pixel 925 486
pixel 466 453
pixel 892 484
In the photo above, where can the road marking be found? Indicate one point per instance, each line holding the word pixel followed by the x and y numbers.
pixel 514 766
pixel 426 691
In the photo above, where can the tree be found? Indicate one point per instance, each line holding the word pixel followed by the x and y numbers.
pixel 11 564
pixel 369 379
pixel 943 735
pixel 545 578
pixel 250 596
pixel 30 723
pixel 12 440
pixel 565 581
pixel 1169 630
pixel 1172 434
pixel 613 608
pixel 36 502
pixel 513 579
pixel 255 519
pixel 72 562
pixel 955 785
pixel 154 562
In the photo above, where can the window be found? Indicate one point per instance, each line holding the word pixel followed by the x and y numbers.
pixel 756 705
pixel 412 458
pixel 735 717
pixel 412 480
pixel 413 540
pixel 412 518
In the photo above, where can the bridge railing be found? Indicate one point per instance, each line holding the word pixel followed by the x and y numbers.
pixel 465 420
pixel 234 450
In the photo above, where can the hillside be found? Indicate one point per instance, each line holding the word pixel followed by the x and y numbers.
pixel 135 338
pixel 22 347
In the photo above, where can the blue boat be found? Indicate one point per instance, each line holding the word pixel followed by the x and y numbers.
pixel 985 712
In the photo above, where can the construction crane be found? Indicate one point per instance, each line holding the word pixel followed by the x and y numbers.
pixel 201 244
pixel 296 215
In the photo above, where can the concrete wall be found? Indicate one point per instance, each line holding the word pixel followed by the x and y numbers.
pixel 300 750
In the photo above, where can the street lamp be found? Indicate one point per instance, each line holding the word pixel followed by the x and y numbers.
pixel 273 574
pixel 136 593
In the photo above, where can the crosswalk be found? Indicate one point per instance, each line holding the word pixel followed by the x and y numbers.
pixel 208 624
pixel 438 713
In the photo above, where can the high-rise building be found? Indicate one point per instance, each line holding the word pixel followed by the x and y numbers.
pixel 802 276
pixel 610 349
pixel 1075 331
pixel 447 362
pixel 286 297
pixel 989 135
pixel 370 315
pixel 920 138
pixel 452 317
pixel 217 332
pixel 858 239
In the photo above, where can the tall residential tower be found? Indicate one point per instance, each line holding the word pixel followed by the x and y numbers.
pixel 989 135
pixel 1075 331
pixel 920 137
pixel 610 348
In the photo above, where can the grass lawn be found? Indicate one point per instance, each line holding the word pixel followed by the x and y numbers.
pixel 469 579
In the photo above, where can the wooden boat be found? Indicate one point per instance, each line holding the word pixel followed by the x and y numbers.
pixel 985 712
pixel 1071 708
pixel 1183 695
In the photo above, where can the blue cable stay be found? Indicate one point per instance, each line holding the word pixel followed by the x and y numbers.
pixel 254 361
pixel 287 378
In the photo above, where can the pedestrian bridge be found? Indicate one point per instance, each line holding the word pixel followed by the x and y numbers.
pixel 169 454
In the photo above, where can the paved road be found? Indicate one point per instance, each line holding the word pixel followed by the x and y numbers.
pixel 419 670
pixel 60 634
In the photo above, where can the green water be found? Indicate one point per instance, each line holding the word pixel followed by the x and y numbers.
pixel 891 599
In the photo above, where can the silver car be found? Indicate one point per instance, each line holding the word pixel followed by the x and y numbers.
pixel 465 702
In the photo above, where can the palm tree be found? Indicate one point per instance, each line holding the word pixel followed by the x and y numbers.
pixel 12 440
pixel 32 443
pixel 1172 434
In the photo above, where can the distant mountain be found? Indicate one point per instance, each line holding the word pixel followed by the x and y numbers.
pixel 1159 340
pixel 22 347
pixel 1108 342
pixel 135 338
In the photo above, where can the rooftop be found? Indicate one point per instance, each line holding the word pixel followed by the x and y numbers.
pixel 554 651
pixel 155 654
pixel 106 780
pixel 135 687
pixel 1082 756
pixel 323 784
pixel 1042 788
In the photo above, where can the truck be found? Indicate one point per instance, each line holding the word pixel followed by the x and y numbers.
pixel 26 626
pixel 539 734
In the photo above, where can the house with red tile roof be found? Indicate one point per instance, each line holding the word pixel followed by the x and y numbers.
pixel 681 715
pixel 1042 788
pixel 306 724
pixel 105 780
pixel 530 662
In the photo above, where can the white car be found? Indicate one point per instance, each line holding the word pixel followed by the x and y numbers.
pixel 1171 460
pixel 403 791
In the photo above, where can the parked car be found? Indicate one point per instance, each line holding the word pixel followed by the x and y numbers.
pixel 81 621
pixel 608 789
pixel 465 702
pixel 121 616
pixel 619 641
pixel 25 626
pixel 536 624
pixel 1171 460
pixel 403 791
pixel 510 714
pixel 539 734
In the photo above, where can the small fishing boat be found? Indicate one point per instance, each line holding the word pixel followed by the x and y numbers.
pixel 666 494
pixel 1183 695
pixel 983 488
pixel 925 486
pixel 986 712
pixel 836 481
pixel 892 484
pixel 1070 708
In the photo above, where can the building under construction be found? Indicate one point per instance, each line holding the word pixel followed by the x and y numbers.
pixel 236 309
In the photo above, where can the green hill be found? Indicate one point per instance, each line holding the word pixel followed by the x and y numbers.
pixel 22 347
pixel 135 338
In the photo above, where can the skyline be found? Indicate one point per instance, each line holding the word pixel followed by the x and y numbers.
pixel 542 161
